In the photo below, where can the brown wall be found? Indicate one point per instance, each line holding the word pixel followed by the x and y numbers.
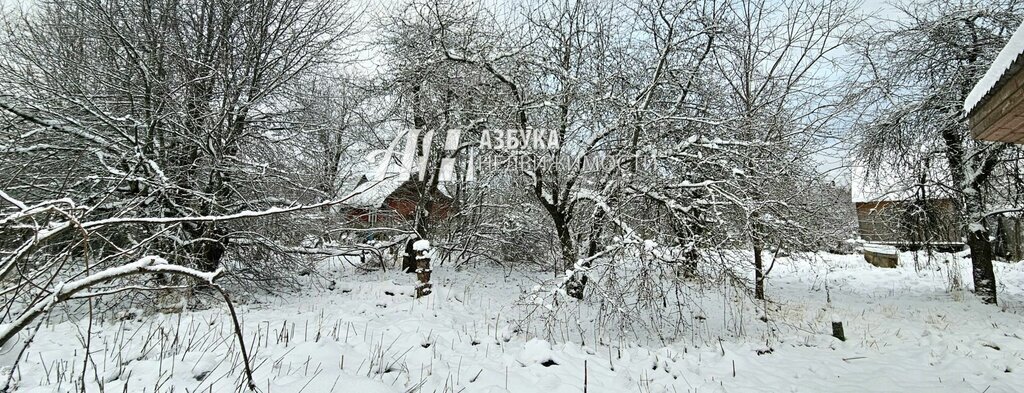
pixel 401 205
pixel 904 222
pixel 1000 116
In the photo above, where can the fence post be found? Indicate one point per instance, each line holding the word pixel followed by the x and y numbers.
pixel 422 250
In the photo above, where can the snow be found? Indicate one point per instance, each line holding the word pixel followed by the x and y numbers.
pixel 1004 61
pixel 13 201
pixel 62 290
pixel 421 245
pixel 535 351
pixel 906 332
pixel 881 249
pixel 372 193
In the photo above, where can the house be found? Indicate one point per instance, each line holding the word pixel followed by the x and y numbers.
pixel 995 106
pixel 392 200
pixel 910 214
pixel 902 213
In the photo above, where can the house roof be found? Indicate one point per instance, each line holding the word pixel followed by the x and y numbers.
pixel 377 183
pixel 372 193
pixel 1006 64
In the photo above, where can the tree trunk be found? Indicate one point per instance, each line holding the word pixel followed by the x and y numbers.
pixel 972 207
pixel 758 272
pixel 423 194
pixel 577 282
pixel 206 254
pixel 687 233
pixel 981 263
pixel 561 218
pixel 409 257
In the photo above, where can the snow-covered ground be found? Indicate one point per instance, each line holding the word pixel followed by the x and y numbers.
pixel 906 333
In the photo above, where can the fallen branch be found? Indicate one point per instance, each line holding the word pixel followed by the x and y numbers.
pixel 64 291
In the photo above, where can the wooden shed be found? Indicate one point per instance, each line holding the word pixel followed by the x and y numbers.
pixel 907 216
pixel 995 106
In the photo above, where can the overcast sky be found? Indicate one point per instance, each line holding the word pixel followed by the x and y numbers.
pixel 832 159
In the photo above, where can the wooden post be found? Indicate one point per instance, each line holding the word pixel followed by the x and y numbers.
pixel 585 376
pixel 837 331
pixel 422 247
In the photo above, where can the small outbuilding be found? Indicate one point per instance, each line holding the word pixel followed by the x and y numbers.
pixel 905 216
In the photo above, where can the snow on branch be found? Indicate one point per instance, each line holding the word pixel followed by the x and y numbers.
pixel 65 290
pixel 209 218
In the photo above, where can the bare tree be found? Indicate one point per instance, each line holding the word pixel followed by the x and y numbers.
pixel 919 68
pixel 775 62
pixel 170 109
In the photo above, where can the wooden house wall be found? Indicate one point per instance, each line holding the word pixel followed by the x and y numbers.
pixel 1000 117
pixel 904 223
